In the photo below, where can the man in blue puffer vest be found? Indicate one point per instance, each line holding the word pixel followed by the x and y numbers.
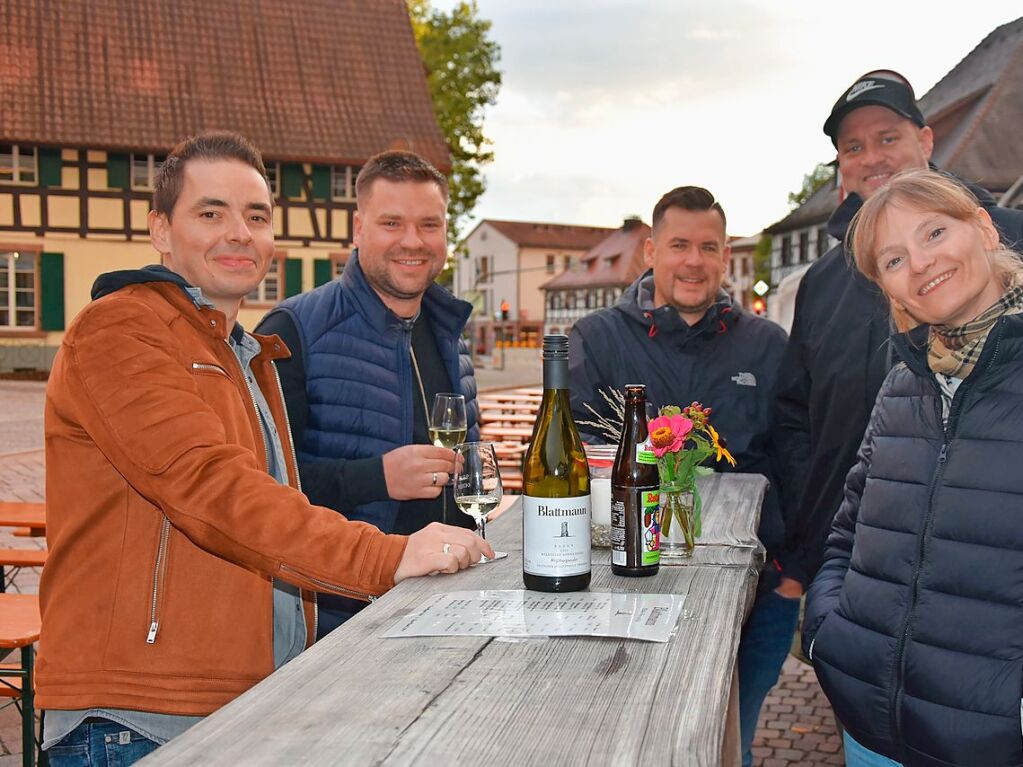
pixel 369 353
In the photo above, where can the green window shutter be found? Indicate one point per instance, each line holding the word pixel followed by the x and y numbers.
pixel 291 180
pixel 49 167
pixel 322 273
pixel 292 277
pixel 51 279
pixel 117 171
pixel 321 182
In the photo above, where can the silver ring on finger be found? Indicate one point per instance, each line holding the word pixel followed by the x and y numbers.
pixel 434 482
pixel 447 548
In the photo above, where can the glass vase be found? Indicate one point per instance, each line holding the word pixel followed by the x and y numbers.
pixel 678 520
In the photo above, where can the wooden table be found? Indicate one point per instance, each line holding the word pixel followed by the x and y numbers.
pixel 357 698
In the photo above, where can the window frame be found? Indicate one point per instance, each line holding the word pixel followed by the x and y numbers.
pixel 351 173
pixel 260 300
pixel 9 294
pixel 339 259
pixel 152 166
pixel 275 180
pixel 16 171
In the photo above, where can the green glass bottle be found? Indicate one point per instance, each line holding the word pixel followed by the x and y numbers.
pixel 555 487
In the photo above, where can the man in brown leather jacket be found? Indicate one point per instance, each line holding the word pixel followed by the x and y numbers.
pixel 183 556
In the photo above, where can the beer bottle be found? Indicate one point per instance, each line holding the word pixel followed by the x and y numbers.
pixel 635 494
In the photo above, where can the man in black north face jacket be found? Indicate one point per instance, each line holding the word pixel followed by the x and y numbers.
pixel 838 351
pixel 676 331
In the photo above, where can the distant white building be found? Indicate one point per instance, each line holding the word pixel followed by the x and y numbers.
pixel 500 266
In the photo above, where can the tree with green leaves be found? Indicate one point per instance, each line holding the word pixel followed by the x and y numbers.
pixel 461 66
pixel 762 259
pixel 812 181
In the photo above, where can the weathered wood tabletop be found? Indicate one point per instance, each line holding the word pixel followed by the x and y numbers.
pixel 358 698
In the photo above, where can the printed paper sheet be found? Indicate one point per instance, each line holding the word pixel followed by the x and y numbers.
pixel 520 613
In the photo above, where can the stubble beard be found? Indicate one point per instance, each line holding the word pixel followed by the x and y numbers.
pixel 381 280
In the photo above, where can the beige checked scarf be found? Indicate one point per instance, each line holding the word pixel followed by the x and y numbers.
pixel 954 350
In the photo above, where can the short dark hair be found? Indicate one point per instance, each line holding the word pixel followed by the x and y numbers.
pixel 210 145
pixel 399 167
pixel 688 198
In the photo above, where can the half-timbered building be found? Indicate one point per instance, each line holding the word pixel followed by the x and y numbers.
pixel 93 94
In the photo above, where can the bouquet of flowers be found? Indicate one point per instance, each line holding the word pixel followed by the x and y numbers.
pixel 682 439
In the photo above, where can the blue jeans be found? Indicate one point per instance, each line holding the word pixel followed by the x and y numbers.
pixel 858 756
pixel 100 743
pixel 766 639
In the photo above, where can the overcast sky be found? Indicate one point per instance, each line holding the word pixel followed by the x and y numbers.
pixel 607 104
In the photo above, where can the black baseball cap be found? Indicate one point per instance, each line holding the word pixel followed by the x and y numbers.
pixel 882 87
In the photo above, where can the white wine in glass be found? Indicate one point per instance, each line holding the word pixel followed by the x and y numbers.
pixel 447 420
pixel 447 437
pixel 477 481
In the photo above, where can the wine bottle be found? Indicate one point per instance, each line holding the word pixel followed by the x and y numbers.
pixel 555 487
pixel 635 494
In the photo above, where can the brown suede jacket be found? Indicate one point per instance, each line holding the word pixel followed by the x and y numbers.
pixel 164 527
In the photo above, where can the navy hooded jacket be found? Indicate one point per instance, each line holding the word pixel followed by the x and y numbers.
pixel 727 361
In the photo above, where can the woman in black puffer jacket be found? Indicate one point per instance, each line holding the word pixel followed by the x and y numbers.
pixel 915 621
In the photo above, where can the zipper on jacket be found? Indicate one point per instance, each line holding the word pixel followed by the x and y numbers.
pixel 333 587
pixel 948 434
pixel 161 552
pixel 210 367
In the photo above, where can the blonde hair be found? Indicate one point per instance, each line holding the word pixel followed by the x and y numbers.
pixel 928 191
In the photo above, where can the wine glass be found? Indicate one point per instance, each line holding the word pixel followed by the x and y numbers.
pixel 447 420
pixel 477 481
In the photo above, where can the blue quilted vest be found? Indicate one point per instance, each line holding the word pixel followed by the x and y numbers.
pixel 358 369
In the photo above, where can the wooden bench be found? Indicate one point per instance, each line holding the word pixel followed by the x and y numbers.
pixel 19 629
pixel 12 560
pixel 491 416
pixel 23 514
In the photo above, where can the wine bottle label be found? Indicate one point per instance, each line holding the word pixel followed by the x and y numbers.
pixel 645 455
pixel 556 536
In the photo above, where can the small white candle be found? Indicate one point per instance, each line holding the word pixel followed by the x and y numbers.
pixel 600 500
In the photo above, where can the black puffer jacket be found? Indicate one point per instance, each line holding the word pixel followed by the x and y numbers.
pixel 837 356
pixel 916 616
pixel 728 361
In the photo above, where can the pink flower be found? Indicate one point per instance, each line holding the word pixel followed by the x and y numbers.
pixel 668 433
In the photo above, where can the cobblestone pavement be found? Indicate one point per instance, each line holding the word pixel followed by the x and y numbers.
pixel 796 726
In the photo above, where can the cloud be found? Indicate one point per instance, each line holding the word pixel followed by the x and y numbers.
pixel 607 104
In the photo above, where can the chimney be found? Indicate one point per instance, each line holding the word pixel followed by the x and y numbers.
pixel 631 222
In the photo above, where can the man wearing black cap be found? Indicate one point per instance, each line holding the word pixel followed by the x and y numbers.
pixel 838 352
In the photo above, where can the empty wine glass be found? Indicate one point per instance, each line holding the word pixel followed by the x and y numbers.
pixel 477 481
pixel 447 420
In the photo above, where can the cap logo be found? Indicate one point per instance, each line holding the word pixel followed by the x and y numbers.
pixel 862 87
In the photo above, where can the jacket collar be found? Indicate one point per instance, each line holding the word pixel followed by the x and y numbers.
pixel 1006 335
pixel 445 312
pixel 637 303
pixel 183 299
